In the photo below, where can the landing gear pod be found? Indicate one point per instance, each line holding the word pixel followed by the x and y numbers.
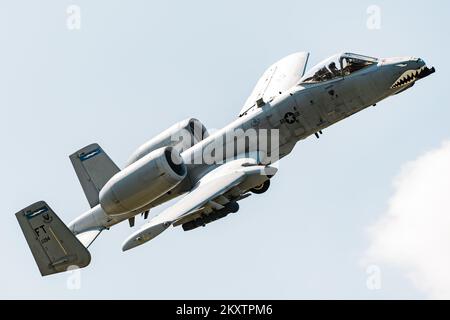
pixel 261 188
pixel 143 181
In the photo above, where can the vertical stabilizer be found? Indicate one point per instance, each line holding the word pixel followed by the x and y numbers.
pixel 93 168
pixel 53 245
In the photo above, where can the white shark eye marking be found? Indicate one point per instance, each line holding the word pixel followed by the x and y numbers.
pixel 401 65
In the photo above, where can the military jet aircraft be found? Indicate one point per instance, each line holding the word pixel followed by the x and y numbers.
pixel 287 102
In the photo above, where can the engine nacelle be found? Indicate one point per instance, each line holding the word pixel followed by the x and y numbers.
pixel 181 136
pixel 143 181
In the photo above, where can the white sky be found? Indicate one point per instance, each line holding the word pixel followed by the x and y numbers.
pixel 135 68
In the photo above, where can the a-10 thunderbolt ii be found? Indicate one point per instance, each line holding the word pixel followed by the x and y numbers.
pixel 286 106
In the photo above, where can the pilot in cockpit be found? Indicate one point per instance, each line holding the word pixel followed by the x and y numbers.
pixel 334 70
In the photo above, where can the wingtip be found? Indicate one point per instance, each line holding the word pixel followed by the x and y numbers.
pixel 130 244
pixel 143 235
pixel 125 247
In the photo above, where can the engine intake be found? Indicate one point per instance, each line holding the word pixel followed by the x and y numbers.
pixel 143 181
pixel 181 136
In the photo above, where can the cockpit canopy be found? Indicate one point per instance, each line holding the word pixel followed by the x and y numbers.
pixel 339 65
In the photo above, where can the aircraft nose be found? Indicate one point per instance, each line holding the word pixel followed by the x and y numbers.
pixel 405 71
pixel 417 63
pixel 420 62
pixel 403 62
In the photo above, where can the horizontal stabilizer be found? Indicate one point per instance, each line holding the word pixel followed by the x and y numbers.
pixel 94 168
pixel 87 237
pixel 54 247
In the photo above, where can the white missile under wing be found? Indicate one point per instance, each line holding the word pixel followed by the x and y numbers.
pixel 219 188
pixel 280 76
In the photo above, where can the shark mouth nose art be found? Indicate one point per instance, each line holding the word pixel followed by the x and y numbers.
pixel 410 76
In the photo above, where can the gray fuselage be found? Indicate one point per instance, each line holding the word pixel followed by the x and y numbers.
pixel 297 113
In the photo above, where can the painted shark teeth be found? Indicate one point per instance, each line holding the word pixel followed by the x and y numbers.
pixel 408 77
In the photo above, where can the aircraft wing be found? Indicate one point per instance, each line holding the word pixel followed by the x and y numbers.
pixel 242 174
pixel 279 77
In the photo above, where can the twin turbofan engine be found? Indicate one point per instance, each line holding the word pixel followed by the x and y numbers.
pixel 143 181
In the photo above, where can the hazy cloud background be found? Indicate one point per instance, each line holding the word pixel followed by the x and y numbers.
pixel 136 67
pixel 413 234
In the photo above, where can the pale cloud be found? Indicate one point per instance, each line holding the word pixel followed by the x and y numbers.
pixel 414 232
